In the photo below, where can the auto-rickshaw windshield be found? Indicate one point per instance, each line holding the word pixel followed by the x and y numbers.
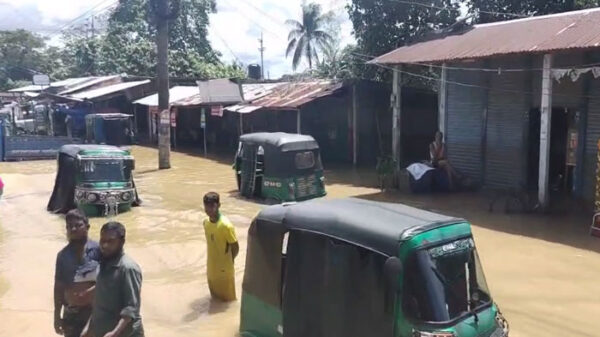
pixel 110 170
pixel 445 282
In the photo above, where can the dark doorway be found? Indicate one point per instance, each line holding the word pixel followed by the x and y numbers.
pixel 560 175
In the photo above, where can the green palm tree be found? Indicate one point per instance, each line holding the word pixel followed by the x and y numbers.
pixel 308 37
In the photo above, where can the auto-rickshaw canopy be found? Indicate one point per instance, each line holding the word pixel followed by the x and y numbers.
pixel 376 226
pixel 73 150
pixel 282 141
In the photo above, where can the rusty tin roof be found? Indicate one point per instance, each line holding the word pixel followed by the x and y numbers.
pixel 540 34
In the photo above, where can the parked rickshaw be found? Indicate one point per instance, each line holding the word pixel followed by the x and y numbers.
pixel 351 267
pixel 279 167
pixel 95 178
pixel 110 129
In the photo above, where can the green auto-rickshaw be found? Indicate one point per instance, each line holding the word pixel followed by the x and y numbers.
pixel 279 167
pixel 356 268
pixel 111 129
pixel 95 178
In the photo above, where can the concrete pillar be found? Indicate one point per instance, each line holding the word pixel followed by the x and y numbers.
pixel 442 99
pixel 546 123
pixel 396 116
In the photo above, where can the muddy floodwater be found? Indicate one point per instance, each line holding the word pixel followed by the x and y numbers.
pixel 543 271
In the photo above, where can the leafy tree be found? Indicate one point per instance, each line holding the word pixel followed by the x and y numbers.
pixel 129 44
pixel 21 56
pixel 383 25
pixel 308 37
pixel 485 11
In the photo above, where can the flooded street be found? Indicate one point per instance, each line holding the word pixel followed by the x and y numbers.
pixel 544 272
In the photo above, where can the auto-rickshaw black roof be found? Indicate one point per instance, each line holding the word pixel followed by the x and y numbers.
pixel 281 140
pixel 73 150
pixel 372 225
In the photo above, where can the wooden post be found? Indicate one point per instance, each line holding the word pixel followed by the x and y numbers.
pixel 545 126
pixel 443 94
pixel 354 127
pixel 298 122
pixel 397 112
pixel 204 127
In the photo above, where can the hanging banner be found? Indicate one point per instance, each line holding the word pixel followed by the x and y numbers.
pixel 216 110
pixel 174 118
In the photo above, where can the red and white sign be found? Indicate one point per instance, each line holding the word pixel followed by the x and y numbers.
pixel 216 110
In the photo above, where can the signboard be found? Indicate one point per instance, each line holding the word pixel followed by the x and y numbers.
pixel 203 120
pixel 41 79
pixel 174 118
pixel 216 110
pixel 164 117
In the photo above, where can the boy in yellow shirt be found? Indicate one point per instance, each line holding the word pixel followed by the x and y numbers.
pixel 222 249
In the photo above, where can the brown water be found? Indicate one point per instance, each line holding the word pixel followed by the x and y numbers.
pixel 543 272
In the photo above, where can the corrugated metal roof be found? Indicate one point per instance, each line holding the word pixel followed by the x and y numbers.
pixel 111 89
pixel 253 91
pixel 564 31
pixel 71 82
pixel 30 88
pixel 290 96
pixel 87 84
pixel 175 94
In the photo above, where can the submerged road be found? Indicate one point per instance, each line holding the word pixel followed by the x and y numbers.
pixel 544 272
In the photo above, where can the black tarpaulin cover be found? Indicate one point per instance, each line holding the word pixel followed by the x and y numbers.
pixel 63 195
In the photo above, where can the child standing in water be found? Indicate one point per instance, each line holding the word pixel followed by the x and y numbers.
pixel 222 248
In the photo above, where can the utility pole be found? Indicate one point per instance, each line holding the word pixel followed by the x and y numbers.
pixel 162 70
pixel 262 51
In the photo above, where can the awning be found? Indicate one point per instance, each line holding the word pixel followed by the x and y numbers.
pixel 242 108
pixel 175 94
pixel 111 89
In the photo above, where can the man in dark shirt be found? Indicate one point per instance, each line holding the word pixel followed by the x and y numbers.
pixel 74 277
pixel 116 311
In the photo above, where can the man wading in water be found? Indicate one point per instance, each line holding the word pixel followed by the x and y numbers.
pixel 117 304
pixel 222 247
pixel 75 276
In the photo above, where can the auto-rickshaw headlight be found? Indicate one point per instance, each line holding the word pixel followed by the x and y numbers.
pixel 126 196
pixel 91 197
pixel 79 194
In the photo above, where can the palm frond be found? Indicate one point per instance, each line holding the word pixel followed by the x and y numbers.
pixel 291 45
pixel 294 24
pixel 294 34
pixel 298 52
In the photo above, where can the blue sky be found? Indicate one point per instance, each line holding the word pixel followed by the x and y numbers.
pixel 234 30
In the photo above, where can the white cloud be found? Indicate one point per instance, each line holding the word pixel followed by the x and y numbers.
pixel 235 28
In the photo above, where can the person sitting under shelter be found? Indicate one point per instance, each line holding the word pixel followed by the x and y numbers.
pixel 437 154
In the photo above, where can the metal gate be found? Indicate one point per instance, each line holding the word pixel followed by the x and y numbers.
pixel 508 107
